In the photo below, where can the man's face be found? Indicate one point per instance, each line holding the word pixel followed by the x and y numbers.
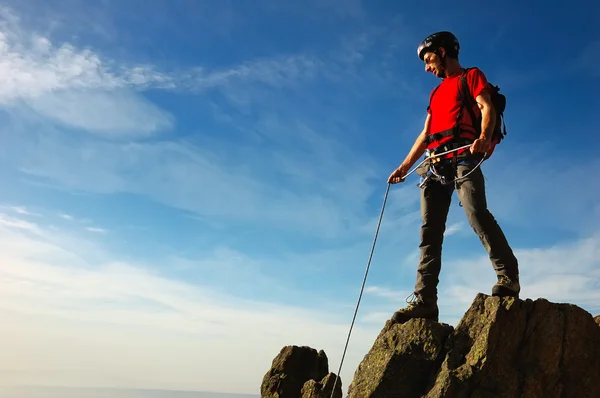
pixel 433 63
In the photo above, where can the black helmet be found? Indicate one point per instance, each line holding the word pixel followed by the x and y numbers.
pixel 437 40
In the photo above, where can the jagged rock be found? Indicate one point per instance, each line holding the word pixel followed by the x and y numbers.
pixel 323 388
pixel 506 347
pixel 502 347
pixel 401 361
pixel 291 369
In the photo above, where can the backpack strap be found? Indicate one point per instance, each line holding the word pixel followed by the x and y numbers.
pixel 468 100
pixel 428 138
pixel 431 97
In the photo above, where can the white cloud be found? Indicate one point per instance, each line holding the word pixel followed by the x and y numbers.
pixel 79 88
pixel 529 187
pixel 36 67
pixel 109 112
pixel 32 65
pixel 274 72
pixel 74 86
pixel 455 228
pixel 393 295
pixel 96 229
pixel 8 221
pixel 196 176
pixel 22 210
pixel 568 272
pixel 108 323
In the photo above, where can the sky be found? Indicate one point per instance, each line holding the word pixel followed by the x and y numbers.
pixel 188 186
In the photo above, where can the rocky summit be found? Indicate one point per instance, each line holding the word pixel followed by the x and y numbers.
pixel 502 347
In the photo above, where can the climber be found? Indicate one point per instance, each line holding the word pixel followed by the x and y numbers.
pixel 447 126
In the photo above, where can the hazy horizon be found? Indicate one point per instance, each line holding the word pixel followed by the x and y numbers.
pixel 49 391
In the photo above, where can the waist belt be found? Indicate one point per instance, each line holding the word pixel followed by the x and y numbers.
pixel 459 155
pixel 456 133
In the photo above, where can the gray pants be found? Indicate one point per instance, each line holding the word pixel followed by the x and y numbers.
pixel 435 204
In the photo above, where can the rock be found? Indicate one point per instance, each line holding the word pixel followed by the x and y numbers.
pixel 292 368
pixel 502 347
pixel 506 347
pixel 402 359
pixel 323 388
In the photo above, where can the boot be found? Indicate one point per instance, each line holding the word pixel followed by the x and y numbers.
pixel 506 286
pixel 417 308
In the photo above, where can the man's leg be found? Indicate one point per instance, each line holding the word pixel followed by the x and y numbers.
pixel 435 203
pixel 471 192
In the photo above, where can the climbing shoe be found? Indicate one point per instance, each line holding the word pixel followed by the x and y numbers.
pixel 506 287
pixel 417 308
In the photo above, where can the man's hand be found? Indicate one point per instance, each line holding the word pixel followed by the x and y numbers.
pixel 480 145
pixel 398 174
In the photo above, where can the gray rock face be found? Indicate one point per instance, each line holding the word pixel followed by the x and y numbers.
pixel 501 348
pixel 521 348
pixel 402 359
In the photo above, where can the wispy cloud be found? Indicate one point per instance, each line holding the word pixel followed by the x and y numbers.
pixel 96 229
pixel 109 112
pixel 113 301
pixel 455 228
pixel 520 176
pixel 124 307
pixel 393 295
pixel 197 179
pixel 78 88
pixel 21 210
pixel 32 65
pixel 567 272
pixel 8 221
pixel 75 87
pixel 35 65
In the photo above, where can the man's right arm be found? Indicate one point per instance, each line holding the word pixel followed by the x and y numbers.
pixel 414 154
pixel 419 146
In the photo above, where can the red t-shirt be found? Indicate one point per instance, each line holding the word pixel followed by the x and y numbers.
pixel 445 103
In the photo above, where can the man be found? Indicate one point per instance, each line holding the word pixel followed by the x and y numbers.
pixel 448 127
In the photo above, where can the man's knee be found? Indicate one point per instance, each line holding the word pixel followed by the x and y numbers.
pixel 480 219
pixel 473 200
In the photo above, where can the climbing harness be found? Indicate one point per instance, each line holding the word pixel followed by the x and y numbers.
pixel 432 157
pixel 443 178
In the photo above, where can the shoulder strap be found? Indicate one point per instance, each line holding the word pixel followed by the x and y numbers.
pixel 465 93
pixel 428 138
pixel 467 99
pixel 431 96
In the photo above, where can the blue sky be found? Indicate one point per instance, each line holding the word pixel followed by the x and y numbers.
pixel 184 184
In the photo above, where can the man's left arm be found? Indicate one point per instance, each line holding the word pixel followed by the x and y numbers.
pixel 488 116
pixel 488 120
